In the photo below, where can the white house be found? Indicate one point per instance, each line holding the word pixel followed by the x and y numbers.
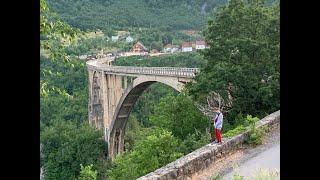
pixel 200 44
pixel 169 48
pixel 129 39
pixel 114 38
pixel 174 48
pixel 186 47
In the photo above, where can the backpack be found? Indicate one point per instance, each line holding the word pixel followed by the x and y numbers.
pixel 216 118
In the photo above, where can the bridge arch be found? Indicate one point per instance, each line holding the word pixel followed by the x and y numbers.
pixel 126 103
pixel 111 99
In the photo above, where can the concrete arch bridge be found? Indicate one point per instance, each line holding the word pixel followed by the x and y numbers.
pixel 113 90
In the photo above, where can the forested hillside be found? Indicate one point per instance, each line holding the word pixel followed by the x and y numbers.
pixel 162 14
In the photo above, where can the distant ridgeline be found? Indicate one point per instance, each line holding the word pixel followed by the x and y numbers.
pixel 163 14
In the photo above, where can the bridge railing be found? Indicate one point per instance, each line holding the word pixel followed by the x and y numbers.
pixel 164 71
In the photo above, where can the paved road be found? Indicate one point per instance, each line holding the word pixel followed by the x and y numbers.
pixel 268 160
pixel 265 157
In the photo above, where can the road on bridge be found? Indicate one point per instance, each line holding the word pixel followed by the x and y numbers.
pixel 265 157
pixel 266 160
pixel 248 161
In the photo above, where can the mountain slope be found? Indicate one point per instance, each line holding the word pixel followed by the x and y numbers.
pixel 106 14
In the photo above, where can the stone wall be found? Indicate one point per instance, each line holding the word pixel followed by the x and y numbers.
pixel 184 167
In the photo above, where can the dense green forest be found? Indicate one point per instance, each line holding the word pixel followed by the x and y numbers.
pixel 243 60
pixel 123 14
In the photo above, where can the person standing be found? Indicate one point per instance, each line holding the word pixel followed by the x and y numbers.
pixel 218 121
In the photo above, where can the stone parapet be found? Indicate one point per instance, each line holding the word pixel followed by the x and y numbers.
pixel 198 160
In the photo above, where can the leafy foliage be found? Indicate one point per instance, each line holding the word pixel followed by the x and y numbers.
pixel 216 177
pixel 260 174
pixel 237 177
pixel 64 91
pixel 55 33
pixel 233 132
pixel 66 146
pixel 153 151
pixel 192 142
pixel 97 14
pixel 87 173
pixel 256 134
pixel 243 58
pixel 178 115
pixel 264 174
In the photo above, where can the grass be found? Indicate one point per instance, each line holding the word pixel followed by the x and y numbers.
pixel 263 174
pixel 260 174
pixel 233 132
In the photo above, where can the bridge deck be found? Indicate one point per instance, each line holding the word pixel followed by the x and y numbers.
pixel 161 71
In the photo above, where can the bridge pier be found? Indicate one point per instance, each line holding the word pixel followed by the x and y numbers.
pixel 113 90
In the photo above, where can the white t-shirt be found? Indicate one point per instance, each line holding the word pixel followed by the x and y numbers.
pixel 219 122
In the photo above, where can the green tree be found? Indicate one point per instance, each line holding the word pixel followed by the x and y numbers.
pixel 243 58
pixel 157 45
pixel 123 14
pixel 65 95
pixel 179 115
pixel 255 134
pixel 56 33
pixel 166 39
pixel 65 146
pixel 153 151
pixel 87 173
pixel 192 142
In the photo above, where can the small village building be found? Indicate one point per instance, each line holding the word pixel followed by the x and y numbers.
pixel 139 47
pixel 175 48
pixel 169 48
pixel 123 35
pixel 200 44
pixel 186 47
pixel 129 39
pixel 114 38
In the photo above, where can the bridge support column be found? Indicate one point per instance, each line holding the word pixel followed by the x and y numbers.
pixel 116 143
pixel 105 99
pixel 90 77
pixel 125 82
pixel 111 88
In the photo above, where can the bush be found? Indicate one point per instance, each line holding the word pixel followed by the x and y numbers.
pixel 216 177
pixel 179 115
pixel 255 134
pixel 65 146
pixel 193 142
pixel 233 132
pixel 237 177
pixel 150 153
pixel 262 174
pixel 87 173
